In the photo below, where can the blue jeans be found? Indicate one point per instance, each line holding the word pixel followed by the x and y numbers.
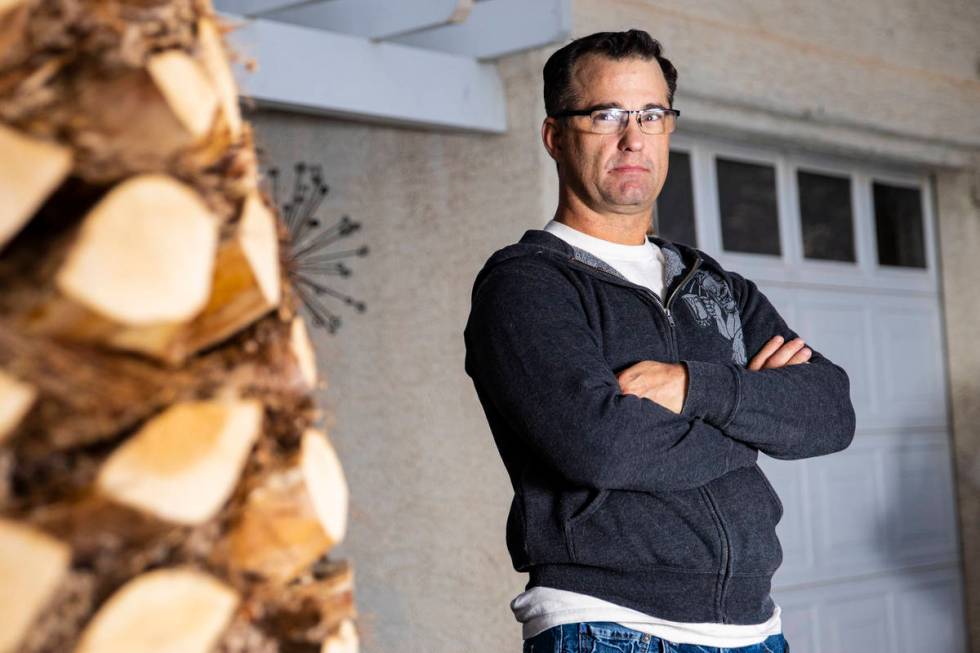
pixel 608 637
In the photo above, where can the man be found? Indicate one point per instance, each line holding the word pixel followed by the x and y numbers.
pixel 613 370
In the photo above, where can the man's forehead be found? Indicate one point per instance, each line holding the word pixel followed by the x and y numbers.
pixel 596 78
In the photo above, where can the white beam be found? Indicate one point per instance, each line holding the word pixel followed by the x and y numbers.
pixel 499 27
pixel 374 19
pixel 322 72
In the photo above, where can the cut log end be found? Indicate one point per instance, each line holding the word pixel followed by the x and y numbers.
pixel 186 88
pixel 302 349
pixel 163 273
pixel 345 640
pixel 16 398
pixel 164 611
pixel 32 564
pixel 327 483
pixel 244 287
pixel 184 464
pixel 295 516
pixel 30 169
pixel 216 64
pixel 260 245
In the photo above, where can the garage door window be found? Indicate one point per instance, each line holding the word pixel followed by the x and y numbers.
pixel 898 225
pixel 674 219
pixel 825 216
pixel 747 205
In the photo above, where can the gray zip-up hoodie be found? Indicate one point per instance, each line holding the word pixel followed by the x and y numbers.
pixel 615 495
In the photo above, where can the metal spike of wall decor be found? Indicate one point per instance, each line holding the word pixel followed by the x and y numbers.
pixel 310 266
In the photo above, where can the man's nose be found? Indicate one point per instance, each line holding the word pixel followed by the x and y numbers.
pixel 631 138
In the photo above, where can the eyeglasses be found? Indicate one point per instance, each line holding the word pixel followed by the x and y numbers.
pixel 613 120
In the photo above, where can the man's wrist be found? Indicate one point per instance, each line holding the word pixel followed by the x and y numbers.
pixel 712 392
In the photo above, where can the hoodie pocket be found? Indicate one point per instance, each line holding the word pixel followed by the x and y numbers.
pixel 629 530
pixel 777 502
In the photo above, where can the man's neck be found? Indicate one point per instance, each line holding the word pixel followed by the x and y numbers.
pixel 622 229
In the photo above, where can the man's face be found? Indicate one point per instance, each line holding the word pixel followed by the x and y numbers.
pixel 612 173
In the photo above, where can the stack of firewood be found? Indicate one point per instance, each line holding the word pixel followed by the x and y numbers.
pixel 162 485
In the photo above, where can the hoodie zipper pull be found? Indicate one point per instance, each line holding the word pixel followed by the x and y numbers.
pixel 670 318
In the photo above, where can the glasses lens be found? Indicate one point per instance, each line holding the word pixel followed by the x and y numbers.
pixel 655 121
pixel 608 121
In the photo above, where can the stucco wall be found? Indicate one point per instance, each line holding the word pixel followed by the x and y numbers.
pixel 959 230
pixel 881 80
pixel 429 497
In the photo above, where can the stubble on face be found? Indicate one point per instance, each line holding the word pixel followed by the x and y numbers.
pixel 616 173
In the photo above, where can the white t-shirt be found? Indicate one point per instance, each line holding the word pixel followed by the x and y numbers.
pixel 541 608
pixel 641 264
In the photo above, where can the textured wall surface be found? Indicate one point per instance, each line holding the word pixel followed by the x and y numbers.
pixel 959 231
pixel 895 81
pixel 429 496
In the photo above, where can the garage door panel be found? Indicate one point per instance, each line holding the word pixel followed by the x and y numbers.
pixel 919 609
pixel 864 528
pixel 884 503
pixel 858 623
pixel 930 617
pixel 795 528
pixel 919 516
pixel 798 620
pixel 912 387
pixel 840 329
pixel 849 508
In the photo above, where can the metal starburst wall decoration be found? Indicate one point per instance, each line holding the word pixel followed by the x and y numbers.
pixel 309 264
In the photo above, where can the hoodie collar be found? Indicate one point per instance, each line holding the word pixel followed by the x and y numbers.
pixel 677 257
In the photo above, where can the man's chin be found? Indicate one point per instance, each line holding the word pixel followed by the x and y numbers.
pixel 631 197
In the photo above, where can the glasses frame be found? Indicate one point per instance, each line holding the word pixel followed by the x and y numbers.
pixel 623 123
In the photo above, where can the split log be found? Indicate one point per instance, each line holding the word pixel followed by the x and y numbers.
pixel 295 516
pixel 244 287
pixel 163 611
pixel 343 641
pixel 302 349
pixel 161 274
pixel 308 609
pixel 16 398
pixel 32 564
pixel 216 64
pixel 183 464
pixel 30 168
pixel 186 88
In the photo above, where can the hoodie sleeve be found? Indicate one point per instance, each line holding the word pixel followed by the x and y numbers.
pixel 795 411
pixel 538 367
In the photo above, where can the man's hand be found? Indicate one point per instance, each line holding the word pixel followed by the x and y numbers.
pixel 777 353
pixel 666 383
pixel 663 383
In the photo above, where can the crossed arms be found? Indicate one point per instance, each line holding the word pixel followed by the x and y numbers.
pixel 538 366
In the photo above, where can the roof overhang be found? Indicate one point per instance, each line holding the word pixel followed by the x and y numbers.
pixel 424 63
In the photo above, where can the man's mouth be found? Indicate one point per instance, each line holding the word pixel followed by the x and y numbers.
pixel 630 169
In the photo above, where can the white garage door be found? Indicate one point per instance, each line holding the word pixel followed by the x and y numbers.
pixel 846 252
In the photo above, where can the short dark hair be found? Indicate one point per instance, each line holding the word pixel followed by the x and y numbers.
pixel 634 43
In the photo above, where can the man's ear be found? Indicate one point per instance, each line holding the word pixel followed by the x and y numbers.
pixel 551 136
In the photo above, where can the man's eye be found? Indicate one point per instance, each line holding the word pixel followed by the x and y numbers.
pixel 605 116
pixel 652 116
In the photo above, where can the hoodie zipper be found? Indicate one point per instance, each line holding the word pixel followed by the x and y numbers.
pixel 665 309
pixel 709 500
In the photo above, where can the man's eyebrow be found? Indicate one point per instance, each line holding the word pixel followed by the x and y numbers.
pixel 617 105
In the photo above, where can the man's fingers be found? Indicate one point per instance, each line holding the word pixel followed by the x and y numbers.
pixel 802 356
pixel 785 353
pixel 767 350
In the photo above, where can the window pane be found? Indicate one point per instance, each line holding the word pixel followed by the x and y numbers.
pixel 675 206
pixel 747 202
pixel 825 215
pixel 898 223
